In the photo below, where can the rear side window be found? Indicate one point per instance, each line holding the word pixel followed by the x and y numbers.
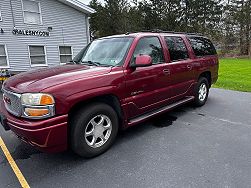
pixel 177 48
pixel 150 46
pixel 202 46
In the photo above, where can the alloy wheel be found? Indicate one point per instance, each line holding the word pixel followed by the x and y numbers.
pixel 98 131
pixel 202 92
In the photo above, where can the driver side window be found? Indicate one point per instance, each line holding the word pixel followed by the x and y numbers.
pixel 149 46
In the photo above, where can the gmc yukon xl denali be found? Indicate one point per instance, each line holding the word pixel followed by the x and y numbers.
pixel 113 83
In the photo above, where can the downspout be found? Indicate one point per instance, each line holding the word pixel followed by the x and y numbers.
pixel 63 36
pixel 12 14
pixel 87 29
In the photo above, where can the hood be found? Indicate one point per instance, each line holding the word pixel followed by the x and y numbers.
pixel 40 79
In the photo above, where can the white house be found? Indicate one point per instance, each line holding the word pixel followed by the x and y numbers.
pixel 41 33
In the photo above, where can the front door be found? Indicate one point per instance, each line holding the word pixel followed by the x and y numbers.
pixel 147 87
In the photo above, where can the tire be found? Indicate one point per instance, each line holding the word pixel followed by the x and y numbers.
pixel 88 126
pixel 201 92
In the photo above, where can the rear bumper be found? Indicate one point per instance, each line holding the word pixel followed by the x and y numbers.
pixel 48 135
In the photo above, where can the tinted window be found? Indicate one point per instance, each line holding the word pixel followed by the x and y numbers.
pixel 202 46
pixel 177 48
pixel 149 46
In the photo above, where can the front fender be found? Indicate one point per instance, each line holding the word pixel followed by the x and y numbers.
pixel 76 98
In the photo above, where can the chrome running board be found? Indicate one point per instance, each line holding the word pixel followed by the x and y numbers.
pixel 160 111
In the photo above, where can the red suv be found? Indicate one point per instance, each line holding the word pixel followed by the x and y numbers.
pixel 113 83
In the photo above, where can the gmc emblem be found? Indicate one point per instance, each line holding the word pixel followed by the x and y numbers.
pixel 7 100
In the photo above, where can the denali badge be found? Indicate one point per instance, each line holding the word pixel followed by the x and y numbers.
pixel 137 92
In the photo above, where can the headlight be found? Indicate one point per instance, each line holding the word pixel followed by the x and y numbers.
pixel 37 105
pixel 37 99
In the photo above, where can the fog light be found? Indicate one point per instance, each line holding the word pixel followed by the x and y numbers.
pixel 32 112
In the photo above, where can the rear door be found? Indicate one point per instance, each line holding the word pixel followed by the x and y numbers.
pixel 181 66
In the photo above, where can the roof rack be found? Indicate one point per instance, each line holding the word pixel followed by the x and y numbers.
pixel 171 32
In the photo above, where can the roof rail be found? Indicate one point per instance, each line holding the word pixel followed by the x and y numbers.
pixel 172 32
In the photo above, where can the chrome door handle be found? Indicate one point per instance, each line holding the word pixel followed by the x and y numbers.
pixel 189 67
pixel 166 71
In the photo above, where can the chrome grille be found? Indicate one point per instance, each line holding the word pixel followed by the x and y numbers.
pixel 12 102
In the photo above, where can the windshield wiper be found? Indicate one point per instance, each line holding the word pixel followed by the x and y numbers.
pixel 91 63
pixel 72 61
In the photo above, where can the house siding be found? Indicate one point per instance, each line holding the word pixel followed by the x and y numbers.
pixel 69 28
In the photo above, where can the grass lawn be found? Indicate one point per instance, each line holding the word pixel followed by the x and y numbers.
pixel 235 74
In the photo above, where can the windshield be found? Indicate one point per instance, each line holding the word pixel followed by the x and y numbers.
pixel 107 52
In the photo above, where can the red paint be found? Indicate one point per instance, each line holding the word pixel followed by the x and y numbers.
pixel 139 90
pixel 143 61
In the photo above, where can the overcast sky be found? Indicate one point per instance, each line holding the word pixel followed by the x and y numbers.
pixel 87 1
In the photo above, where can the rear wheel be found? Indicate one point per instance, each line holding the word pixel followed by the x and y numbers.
pixel 201 92
pixel 93 130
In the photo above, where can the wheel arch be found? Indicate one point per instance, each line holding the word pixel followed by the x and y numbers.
pixel 208 76
pixel 109 99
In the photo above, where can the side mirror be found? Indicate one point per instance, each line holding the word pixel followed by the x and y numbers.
pixel 142 61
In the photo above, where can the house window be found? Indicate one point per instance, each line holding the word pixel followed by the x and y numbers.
pixel 65 54
pixel 1 19
pixel 37 55
pixel 32 12
pixel 3 57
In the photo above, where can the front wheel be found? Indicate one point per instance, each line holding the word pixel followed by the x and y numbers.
pixel 201 92
pixel 93 130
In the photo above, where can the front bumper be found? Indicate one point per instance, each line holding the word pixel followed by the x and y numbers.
pixel 49 135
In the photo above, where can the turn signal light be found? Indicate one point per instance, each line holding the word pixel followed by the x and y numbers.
pixel 46 100
pixel 32 112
